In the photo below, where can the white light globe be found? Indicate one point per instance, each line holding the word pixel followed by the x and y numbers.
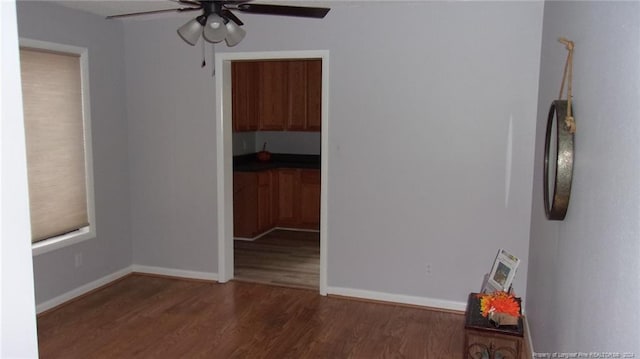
pixel 214 30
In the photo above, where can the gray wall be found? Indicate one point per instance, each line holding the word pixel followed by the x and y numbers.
pixel 54 272
pixel 302 143
pixel 171 148
pixel 243 143
pixel 418 129
pixel 584 272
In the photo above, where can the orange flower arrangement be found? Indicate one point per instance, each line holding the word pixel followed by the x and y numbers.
pixel 499 302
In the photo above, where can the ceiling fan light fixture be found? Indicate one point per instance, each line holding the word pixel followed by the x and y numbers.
pixel 235 33
pixel 214 30
pixel 190 32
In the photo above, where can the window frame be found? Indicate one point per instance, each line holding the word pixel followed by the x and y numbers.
pixel 90 231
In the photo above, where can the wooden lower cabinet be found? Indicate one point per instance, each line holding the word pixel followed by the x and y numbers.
pixel 265 199
pixel 288 198
pixel 310 199
pixel 299 198
pixel 245 206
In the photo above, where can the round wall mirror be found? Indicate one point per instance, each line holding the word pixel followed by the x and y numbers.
pixel 558 162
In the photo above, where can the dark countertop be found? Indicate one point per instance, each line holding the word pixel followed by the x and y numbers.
pixel 250 163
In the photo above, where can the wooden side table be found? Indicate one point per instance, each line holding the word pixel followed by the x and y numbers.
pixel 482 340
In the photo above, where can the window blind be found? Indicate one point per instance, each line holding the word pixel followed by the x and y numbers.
pixel 52 101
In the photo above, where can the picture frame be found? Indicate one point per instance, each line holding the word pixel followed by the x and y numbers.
pixel 502 273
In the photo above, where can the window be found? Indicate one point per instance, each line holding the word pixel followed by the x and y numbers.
pixel 58 141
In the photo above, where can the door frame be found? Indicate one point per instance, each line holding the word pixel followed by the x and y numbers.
pixel 224 154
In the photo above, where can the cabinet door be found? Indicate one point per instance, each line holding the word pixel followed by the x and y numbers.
pixel 245 210
pixel 275 197
pixel 314 95
pixel 265 218
pixel 488 345
pixel 273 95
pixel 297 114
pixel 244 88
pixel 288 197
pixel 310 199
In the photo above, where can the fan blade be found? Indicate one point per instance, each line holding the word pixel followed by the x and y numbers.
pixel 188 2
pixel 233 2
pixel 316 12
pixel 153 12
pixel 231 16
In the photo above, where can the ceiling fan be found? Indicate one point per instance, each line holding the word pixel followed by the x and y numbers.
pixel 217 21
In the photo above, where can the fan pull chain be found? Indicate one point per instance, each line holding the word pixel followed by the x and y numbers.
pixel 213 60
pixel 204 62
pixel 569 121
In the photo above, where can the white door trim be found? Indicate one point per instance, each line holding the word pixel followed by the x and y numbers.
pixel 224 155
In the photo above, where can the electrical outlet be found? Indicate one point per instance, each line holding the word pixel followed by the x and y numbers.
pixel 78 259
pixel 428 269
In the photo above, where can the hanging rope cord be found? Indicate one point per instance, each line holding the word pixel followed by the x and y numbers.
pixel 567 76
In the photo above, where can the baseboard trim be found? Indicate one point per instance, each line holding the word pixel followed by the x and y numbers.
pixel 171 272
pixel 297 229
pixel 254 238
pixel 275 229
pixel 431 303
pixel 528 342
pixel 84 289
pixel 110 278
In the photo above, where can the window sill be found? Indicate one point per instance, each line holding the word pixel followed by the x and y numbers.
pixel 62 241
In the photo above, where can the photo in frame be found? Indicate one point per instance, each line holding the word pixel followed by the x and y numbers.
pixel 502 273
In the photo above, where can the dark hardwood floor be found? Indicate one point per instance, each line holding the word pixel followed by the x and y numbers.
pixel 281 257
pixel 151 317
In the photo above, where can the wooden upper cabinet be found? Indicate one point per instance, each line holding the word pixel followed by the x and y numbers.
pixel 277 95
pixel 272 86
pixel 314 95
pixel 297 115
pixel 305 95
pixel 244 78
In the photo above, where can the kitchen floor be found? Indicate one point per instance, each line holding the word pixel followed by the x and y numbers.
pixel 281 257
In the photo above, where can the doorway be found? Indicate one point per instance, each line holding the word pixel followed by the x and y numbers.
pixel 224 157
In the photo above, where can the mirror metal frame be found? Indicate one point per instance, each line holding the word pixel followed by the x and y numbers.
pixel 564 156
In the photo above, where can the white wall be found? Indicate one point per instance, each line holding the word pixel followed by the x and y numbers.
pixel 419 121
pixel 55 272
pixel 584 272
pixel 17 304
